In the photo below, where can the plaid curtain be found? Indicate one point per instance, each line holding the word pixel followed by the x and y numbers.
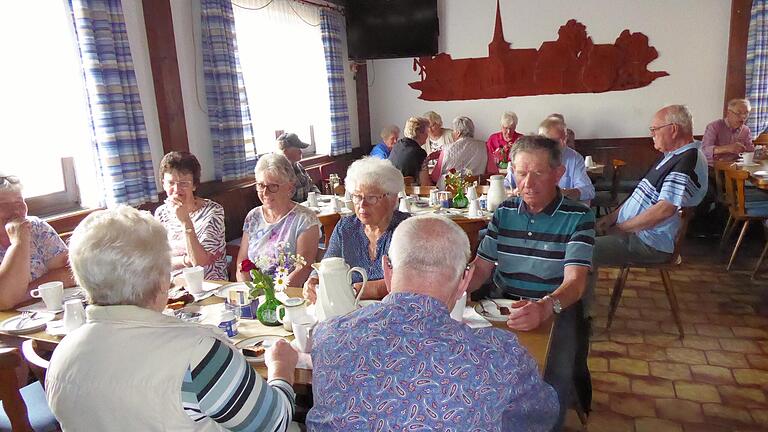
pixel 234 153
pixel 331 29
pixel 121 148
pixel 757 67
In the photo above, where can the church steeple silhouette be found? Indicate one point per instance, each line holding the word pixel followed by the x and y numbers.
pixel 498 45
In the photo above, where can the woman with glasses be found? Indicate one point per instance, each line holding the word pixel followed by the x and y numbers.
pixel 279 222
pixel 195 225
pixel 364 238
pixel 31 252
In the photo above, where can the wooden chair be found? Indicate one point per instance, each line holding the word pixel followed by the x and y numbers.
pixel 24 409
pixel 232 249
pixel 685 217
pixel 408 180
pixel 422 191
pixel 608 200
pixel 744 205
pixel 762 255
pixel 472 227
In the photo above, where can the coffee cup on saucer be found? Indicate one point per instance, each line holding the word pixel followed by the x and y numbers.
pixel 747 158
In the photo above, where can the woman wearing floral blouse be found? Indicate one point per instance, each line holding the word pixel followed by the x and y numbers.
pixel 31 252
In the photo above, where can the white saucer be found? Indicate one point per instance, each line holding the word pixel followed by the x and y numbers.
pixel 267 342
pixel 56 328
pixel 741 163
pixel 29 326
pixel 761 173
pixel 488 310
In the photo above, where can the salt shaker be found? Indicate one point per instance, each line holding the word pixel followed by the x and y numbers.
pixel 228 323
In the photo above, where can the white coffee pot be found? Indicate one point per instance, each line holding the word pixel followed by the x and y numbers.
pixel 496 192
pixel 335 295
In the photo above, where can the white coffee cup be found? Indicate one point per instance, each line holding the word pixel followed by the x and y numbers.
pixel 334 204
pixel 302 331
pixel 458 309
pixel 588 162
pixel 312 199
pixel 405 205
pixel 52 294
pixel 295 311
pixel 747 157
pixel 474 208
pixel 194 278
pixel 74 314
pixel 349 204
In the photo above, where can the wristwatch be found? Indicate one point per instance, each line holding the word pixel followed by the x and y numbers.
pixel 556 306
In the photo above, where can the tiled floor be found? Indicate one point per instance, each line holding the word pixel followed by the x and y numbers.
pixel 715 379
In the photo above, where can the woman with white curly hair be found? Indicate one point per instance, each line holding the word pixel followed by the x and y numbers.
pixel 364 238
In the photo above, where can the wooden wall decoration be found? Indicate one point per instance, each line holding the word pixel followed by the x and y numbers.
pixel 570 64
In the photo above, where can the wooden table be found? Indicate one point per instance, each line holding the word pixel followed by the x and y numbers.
pixel 536 341
pixel 760 182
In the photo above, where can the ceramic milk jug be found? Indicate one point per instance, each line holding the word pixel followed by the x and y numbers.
pixel 335 295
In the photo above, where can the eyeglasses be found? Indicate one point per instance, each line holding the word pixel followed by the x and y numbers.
pixel 271 188
pixel 13 180
pixel 654 129
pixel 183 184
pixel 369 199
pixel 739 114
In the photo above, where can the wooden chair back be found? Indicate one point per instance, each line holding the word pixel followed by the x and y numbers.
pixel 720 195
pixel 408 180
pixel 472 227
pixel 734 191
pixel 329 221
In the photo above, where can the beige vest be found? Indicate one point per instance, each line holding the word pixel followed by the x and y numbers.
pixel 122 371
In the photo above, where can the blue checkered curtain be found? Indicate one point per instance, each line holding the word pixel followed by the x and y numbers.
pixel 234 153
pixel 757 67
pixel 121 147
pixel 331 29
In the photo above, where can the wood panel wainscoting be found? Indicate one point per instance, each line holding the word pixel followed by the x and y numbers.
pixel 638 153
pixel 237 197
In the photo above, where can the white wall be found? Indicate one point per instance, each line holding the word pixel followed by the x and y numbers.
pixel 186 26
pixel 691 37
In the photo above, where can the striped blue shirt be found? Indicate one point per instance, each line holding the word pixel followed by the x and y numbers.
pixel 221 385
pixel 678 177
pixel 532 250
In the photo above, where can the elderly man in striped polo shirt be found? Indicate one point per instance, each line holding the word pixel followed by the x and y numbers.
pixel 539 250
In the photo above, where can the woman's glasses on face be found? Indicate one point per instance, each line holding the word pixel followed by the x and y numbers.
pixel 271 188
pixel 368 199
pixel 184 184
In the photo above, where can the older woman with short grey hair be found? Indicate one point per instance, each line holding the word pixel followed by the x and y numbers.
pixel 278 222
pixel 122 258
pixel 506 137
pixel 466 153
pixel 364 238
pixel 438 135
pixel 31 252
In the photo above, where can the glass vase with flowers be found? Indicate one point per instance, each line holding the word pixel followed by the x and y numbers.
pixel 502 155
pixel 457 182
pixel 269 275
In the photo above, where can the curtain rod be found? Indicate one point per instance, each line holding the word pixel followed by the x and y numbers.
pixel 322 3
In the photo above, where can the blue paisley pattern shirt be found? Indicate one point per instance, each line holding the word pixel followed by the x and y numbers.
pixel 404 364
pixel 45 245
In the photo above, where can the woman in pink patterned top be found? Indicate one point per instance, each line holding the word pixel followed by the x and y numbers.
pixel 195 225
pixel 31 252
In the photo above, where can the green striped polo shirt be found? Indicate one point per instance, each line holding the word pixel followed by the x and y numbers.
pixel 532 250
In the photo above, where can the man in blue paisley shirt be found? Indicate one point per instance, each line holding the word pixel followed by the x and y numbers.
pixel 404 364
pixel 539 251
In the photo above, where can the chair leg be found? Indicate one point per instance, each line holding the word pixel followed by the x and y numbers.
pixel 738 243
pixel 672 298
pixel 618 288
pixel 729 226
pixel 760 260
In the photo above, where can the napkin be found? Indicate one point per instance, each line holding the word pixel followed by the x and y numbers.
pixel 474 319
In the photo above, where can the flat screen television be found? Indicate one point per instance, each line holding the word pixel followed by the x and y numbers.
pixel 379 29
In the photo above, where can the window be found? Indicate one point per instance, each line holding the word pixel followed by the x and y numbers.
pixel 283 63
pixel 46 133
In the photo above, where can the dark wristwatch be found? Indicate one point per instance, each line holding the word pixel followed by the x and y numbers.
pixel 556 306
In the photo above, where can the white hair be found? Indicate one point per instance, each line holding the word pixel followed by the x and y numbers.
pixel 551 123
pixel 681 116
pixel 433 117
pixel 389 131
pixel 414 126
pixel 464 127
pixel 120 256
pixel 508 119
pixel 277 164
pixel 740 102
pixel 374 172
pixel 432 244
pixel 9 183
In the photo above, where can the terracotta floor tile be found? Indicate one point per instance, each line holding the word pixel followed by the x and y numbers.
pixel 686 355
pixel 651 386
pixel 637 302
pixel 608 349
pixel 597 364
pixel 644 324
pixel 727 412
pixel 758 361
pixel 697 392
pixel 647 352
pixel 700 342
pixel 663 340
pixel 706 427
pixel 607 421
pixel 600 398
pixel 673 371
pixel 648 424
pixel 610 382
pixel 749 332
pixel 679 410
pixel 727 359
pixel 760 416
pixel 629 366
pixel 633 405
pixel 742 396
pixel 627 336
pixel 712 374
pixel 713 330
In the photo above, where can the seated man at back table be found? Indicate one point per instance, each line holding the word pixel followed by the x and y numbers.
pixel 643 229
pixel 575 183
pixel 539 251
pixel 725 138
pixel 405 364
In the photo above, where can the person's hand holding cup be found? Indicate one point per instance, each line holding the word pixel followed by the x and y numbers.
pixel 281 361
